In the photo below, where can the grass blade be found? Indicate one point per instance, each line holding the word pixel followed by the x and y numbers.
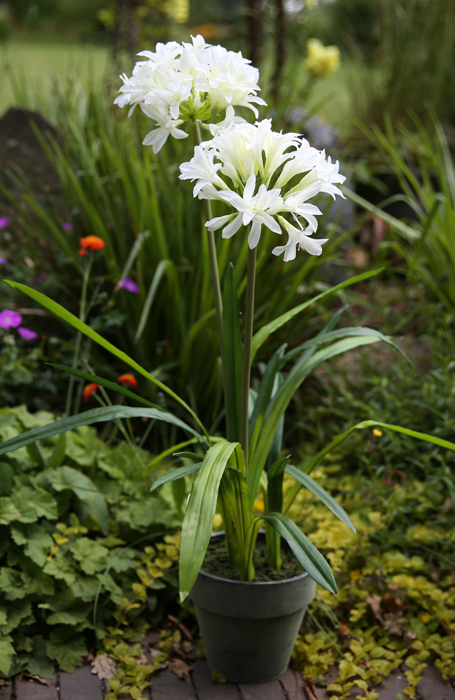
pixel 175 474
pixel 322 494
pixel 310 558
pixel 96 415
pixel 198 521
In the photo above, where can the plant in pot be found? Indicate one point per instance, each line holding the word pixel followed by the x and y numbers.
pixel 265 179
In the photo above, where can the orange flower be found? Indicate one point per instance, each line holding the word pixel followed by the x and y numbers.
pixel 89 390
pixel 91 243
pixel 127 379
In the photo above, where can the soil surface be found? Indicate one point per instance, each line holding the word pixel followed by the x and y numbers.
pixel 216 562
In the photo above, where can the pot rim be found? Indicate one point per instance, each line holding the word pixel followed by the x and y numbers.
pixel 221 534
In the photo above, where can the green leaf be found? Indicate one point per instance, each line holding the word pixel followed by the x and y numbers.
pixel 161 268
pixel 66 648
pixel 322 494
pixel 92 557
pixel 65 315
pixel 346 333
pixel 58 453
pixel 275 484
pixel 11 584
pixel 21 499
pixel 232 354
pixel 35 580
pixel 36 540
pixel 39 664
pixel 261 336
pixel 6 478
pixel 19 612
pixel 106 383
pixel 96 415
pixel 42 502
pixel 283 396
pixel 198 521
pixel 310 558
pixel 8 511
pixel 140 515
pixel 64 478
pixel 175 474
pixel 408 232
pixel 60 567
pixel 6 655
pixel 312 463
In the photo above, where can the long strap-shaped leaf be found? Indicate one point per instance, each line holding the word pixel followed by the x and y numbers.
pixel 198 521
pixel 280 401
pixel 106 383
pixel 65 315
pixel 175 474
pixel 321 493
pixel 96 415
pixel 345 333
pixel 314 461
pixel 261 336
pixel 310 558
pixel 232 354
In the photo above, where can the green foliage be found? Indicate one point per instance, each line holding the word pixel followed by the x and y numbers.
pixel 392 605
pixel 72 524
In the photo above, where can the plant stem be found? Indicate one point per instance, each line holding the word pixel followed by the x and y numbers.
pixel 247 343
pixel 213 264
pixel 77 347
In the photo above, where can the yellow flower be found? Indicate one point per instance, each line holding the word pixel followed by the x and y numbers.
pixel 425 618
pixel 376 432
pixel 178 10
pixel 217 520
pixel 322 61
pixel 356 575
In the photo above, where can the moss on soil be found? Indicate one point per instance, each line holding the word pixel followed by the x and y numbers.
pixel 216 563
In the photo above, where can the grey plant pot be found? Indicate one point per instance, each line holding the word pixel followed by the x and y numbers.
pixel 249 629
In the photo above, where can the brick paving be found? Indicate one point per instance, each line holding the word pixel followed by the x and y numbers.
pixel 83 685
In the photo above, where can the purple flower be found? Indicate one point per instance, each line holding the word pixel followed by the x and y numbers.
pixel 129 285
pixel 4 221
pixel 3 261
pixel 40 278
pixel 26 333
pixel 67 226
pixel 10 319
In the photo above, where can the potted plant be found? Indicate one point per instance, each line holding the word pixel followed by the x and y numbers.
pixel 266 179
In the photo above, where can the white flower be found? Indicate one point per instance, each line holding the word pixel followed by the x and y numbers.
pixel 258 209
pixel 166 127
pixel 188 81
pixel 242 157
pixel 298 238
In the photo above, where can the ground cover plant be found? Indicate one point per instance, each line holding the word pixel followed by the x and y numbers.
pixel 79 545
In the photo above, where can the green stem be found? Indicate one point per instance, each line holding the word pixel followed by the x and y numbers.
pixel 77 347
pixel 247 345
pixel 213 262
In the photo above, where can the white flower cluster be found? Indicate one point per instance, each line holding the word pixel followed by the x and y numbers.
pixel 265 176
pixel 184 81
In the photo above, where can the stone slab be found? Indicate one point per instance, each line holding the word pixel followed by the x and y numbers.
pixel 262 691
pixel 80 685
pixel 6 692
pixel 432 687
pixel 166 686
pixel 292 684
pixel 206 689
pixel 32 690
